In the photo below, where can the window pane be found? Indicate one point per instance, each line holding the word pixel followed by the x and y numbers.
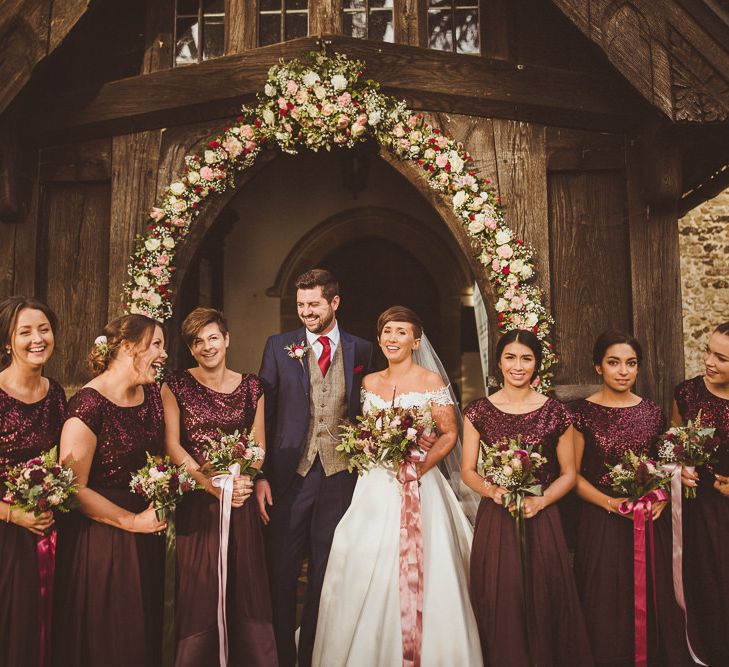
pixel 214 6
pixel 214 37
pixel 186 48
pixel 189 7
pixel 467 31
pixel 353 4
pixel 355 24
pixel 440 3
pixel 381 26
pixel 270 5
pixel 269 29
pixel 297 25
pixel 440 29
pixel 380 3
pixel 297 4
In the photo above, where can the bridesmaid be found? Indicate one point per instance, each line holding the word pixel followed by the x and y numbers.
pixel 32 410
pixel 556 633
pixel 109 572
pixel 198 402
pixel 706 524
pixel 607 424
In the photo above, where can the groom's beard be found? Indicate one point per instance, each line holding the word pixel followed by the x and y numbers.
pixel 320 324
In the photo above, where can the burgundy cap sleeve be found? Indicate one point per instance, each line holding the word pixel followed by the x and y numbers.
pixel 88 406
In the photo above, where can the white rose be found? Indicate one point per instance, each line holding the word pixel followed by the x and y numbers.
pixel 193 177
pixel 142 280
pixel 339 82
pixel 310 78
pixel 503 236
pixel 268 117
pixel 411 434
pixel 155 299
pixel 177 188
pixel 312 110
pixel 531 320
pixel 459 199
pixel 299 352
pixel 456 162
pixel 517 266
pixel 320 92
pixel 414 150
pixel 374 118
pixel 475 226
pixel 501 305
pixel 210 157
pixel 429 154
pixel 358 130
pixel 476 204
pixel 269 90
pixel 168 242
pixel 151 244
pixel 100 340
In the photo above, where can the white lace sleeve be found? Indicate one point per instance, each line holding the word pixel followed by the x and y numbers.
pixel 441 396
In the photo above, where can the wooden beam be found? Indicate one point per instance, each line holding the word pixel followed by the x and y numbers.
pixel 427 79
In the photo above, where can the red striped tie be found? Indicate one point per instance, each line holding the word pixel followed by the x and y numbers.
pixel 325 359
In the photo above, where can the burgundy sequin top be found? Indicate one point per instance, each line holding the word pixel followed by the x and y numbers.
pixel 123 434
pixel 542 426
pixel 692 396
pixel 203 410
pixel 27 429
pixel 610 432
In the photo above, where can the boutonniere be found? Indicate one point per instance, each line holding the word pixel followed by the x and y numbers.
pixel 297 351
pixel 358 369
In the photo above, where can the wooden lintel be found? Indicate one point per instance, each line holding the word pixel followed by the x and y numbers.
pixel 427 79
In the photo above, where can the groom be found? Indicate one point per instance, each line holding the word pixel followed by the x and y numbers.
pixel 311 379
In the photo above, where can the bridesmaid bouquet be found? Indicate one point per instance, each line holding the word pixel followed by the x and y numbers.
pixel 689 446
pixel 228 449
pixel 41 484
pixel 636 476
pixel 387 436
pixel 512 464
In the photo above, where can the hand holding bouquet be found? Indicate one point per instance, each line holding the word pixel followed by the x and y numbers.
pixel 233 448
pixel 387 436
pixel 689 446
pixel 511 464
pixel 636 476
pixel 163 483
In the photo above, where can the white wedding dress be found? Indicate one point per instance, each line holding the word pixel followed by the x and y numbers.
pixel 359 613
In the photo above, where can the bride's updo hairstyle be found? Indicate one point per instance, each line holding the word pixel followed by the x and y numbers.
pixel 400 314
pixel 525 337
pixel 614 337
pixel 135 329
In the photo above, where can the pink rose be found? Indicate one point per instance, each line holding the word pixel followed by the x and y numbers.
pixel 442 142
pixel 302 96
pixel 282 103
pixel 441 160
pixel 490 223
pixel 413 121
pixel 163 260
pixel 291 87
pixel 178 222
pixel 404 143
pixel 156 271
pixel 179 206
pixel 206 173
pixel 157 214
pixel 496 265
pixel 399 131
pixel 344 99
pixel 246 131
pixel 343 121
pixel 504 251
pixel 233 147
pixel 251 145
pixel 362 119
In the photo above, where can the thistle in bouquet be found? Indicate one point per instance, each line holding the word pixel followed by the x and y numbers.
pixel 41 484
pixel 690 446
pixel 512 464
pixel 387 436
pixel 635 476
pixel 229 449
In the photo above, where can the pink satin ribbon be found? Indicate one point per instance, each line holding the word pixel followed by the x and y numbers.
pixel 677 528
pixel 411 564
pixel 642 510
pixel 225 484
pixel 46 551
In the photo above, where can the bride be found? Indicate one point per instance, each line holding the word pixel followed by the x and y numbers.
pixel 363 618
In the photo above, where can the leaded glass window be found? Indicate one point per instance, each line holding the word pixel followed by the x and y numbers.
pixel 199 30
pixel 280 20
pixel 368 19
pixel 453 26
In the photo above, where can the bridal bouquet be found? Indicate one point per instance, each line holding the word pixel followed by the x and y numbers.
pixel 41 484
pixel 163 483
pixel 385 436
pixel 231 448
pixel 512 464
pixel 689 446
pixel 636 476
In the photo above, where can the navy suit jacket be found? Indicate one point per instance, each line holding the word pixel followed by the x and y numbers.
pixel 286 386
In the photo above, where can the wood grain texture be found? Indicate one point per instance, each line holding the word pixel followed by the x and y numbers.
pixel 590 261
pixel 407 19
pixel 135 159
pixel 325 17
pixel 159 25
pixel 80 161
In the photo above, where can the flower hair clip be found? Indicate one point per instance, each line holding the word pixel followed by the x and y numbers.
pixel 297 351
pixel 102 345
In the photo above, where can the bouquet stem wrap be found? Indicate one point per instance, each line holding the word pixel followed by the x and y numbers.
pixel 526 583
pixel 642 510
pixel 411 563
pixel 168 623
pixel 46 551
pixel 225 484
pixel 677 531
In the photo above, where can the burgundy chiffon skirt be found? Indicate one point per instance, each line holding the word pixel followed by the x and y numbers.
pixel 558 634
pixel 250 631
pixel 19 597
pixel 604 573
pixel 109 585
pixel 706 573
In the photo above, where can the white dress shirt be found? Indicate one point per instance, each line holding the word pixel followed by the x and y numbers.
pixel 313 340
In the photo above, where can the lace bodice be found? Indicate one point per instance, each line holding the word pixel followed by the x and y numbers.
pixel 409 399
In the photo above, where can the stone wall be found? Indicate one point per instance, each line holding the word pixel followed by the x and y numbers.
pixel 704 241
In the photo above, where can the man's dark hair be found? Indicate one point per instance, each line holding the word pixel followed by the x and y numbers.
pixel 319 278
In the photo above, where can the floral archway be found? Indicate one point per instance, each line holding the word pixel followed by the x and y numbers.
pixel 326 103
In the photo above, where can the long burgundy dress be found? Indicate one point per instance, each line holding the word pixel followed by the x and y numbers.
pixel 108 603
pixel 26 430
pixel 250 630
pixel 706 531
pixel 604 555
pixel 558 633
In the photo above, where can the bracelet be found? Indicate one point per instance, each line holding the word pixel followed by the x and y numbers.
pixel 610 509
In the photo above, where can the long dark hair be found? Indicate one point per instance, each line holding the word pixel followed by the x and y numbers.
pixel 9 310
pixel 525 337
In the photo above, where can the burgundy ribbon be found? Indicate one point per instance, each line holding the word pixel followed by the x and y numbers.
pixel 642 510
pixel 46 551
pixel 411 563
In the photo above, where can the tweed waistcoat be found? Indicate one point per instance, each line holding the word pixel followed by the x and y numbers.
pixel 327 408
